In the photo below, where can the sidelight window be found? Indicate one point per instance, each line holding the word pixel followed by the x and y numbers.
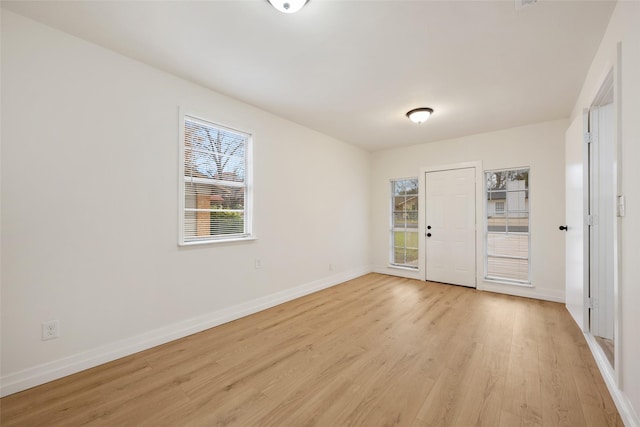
pixel 404 222
pixel 507 238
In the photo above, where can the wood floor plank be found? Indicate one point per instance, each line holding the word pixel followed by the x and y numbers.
pixel 375 351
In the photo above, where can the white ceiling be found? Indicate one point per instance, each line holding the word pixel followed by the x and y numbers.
pixel 352 69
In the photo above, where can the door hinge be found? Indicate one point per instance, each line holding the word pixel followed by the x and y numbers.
pixel 621 206
pixel 591 220
pixel 587 138
pixel 591 304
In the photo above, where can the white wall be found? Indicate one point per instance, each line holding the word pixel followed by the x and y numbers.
pixel 90 205
pixel 539 146
pixel 624 28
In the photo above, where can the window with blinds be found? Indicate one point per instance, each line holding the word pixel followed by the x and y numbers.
pixel 507 255
pixel 215 183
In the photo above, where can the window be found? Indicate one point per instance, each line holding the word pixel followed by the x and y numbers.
pixel 404 222
pixel 507 235
pixel 214 183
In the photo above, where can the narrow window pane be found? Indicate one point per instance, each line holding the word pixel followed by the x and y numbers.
pixel 507 237
pixel 404 222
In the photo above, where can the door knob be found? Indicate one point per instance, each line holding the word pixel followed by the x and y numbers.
pixel 563 228
pixel 428 234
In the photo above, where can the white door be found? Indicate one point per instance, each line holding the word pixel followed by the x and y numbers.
pixel 601 231
pixel 450 229
pixel 575 210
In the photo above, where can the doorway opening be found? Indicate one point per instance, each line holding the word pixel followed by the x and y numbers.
pixel 602 219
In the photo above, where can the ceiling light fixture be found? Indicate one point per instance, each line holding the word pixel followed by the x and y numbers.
pixel 419 115
pixel 288 6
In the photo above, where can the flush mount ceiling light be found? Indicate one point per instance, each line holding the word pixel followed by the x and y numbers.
pixel 288 6
pixel 419 115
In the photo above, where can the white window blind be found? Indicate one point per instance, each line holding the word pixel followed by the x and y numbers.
pixel 215 182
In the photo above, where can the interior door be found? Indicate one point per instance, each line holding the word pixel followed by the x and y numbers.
pixel 575 210
pixel 601 227
pixel 450 229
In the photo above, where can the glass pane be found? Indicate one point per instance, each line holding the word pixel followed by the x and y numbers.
pixel 411 204
pixel 497 224
pixel 412 257
pixel 398 256
pixel 508 201
pixel 215 153
pixel 398 220
pixel 506 268
pixel 209 196
pixel 411 240
pixel 513 179
pixel 518 222
pixel 227 223
pixel 405 217
pixel 398 239
pixel 508 224
pixel 412 219
pixel 515 245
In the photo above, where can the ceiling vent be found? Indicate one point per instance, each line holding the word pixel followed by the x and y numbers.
pixel 524 3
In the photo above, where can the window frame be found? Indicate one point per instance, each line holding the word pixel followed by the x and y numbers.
pixel 393 230
pixel 247 234
pixel 499 279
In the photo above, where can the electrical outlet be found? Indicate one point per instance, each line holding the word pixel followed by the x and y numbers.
pixel 50 330
pixel 258 263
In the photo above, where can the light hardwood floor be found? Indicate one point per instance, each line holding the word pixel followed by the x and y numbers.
pixel 374 351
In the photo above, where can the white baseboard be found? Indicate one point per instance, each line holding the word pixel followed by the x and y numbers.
pixel 627 413
pixel 40 374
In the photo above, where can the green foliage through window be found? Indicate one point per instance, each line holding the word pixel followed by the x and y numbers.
pixel 404 219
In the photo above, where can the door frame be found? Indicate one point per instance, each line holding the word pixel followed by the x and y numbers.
pixel 610 81
pixel 422 250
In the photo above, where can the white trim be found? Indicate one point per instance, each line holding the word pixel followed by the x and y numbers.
pixel 624 406
pixel 40 374
pixel 398 272
pixel 507 282
pixel 234 239
pixel 547 294
pixel 402 267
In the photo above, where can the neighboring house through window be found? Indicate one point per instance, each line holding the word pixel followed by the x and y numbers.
pixel 215 183
pixel 404 222
pixel 507 235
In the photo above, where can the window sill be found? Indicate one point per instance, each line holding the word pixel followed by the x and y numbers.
pixel 402 267
pixel 219 241
pixel 507 282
